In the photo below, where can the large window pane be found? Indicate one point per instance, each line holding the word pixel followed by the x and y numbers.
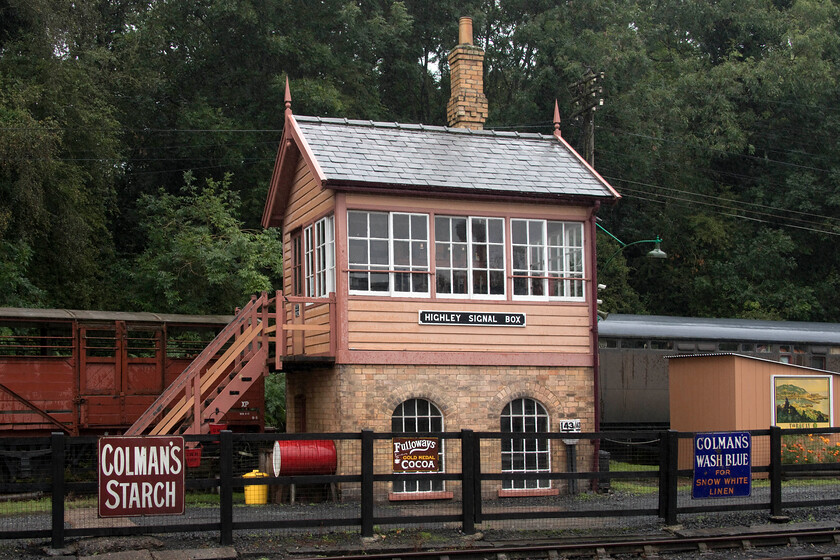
pixel 395 244
pixel 470 256
pixel 551 253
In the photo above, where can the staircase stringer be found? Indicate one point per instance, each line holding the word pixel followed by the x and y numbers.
pixel 183 420
pixel 181 410
pixel 245 327
pixel 252 372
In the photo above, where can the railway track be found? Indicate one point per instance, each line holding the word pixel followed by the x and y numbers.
pixel 749 542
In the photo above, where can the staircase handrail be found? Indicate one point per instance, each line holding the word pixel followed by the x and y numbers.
pixel 183 380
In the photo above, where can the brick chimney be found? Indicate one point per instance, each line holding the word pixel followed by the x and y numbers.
pixel 467 107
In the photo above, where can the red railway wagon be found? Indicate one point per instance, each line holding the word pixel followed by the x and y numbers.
pixel 95 372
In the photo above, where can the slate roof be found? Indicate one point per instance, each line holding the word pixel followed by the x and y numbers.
pixel 435 157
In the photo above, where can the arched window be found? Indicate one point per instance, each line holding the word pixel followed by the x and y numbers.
pixel 416 416
pixel 525 455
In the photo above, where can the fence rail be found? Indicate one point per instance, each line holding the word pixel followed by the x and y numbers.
pixel 48 486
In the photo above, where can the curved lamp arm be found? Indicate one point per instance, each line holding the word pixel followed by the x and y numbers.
pixel 655 253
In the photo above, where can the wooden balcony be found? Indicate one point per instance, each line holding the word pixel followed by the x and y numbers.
pixel 305 332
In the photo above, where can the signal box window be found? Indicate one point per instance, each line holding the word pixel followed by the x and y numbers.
pixel 523 455
pixel 547 259
pixel 319 249
pixel 388 253
pixel 470 256
pixel 297 263
pixel 418 416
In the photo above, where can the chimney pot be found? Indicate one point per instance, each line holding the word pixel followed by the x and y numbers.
pixel 465 31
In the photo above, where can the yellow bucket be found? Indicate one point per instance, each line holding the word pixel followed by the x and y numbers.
pixel 255 495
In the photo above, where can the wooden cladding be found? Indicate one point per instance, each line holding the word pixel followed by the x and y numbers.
pixel 392 325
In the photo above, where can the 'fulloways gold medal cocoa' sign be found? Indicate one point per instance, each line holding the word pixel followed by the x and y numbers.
pixel 416 455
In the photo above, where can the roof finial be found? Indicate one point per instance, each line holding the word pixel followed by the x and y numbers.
pixel 288 98
pixel 556 118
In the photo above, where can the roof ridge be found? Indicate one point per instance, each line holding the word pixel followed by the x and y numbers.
pixel 419 127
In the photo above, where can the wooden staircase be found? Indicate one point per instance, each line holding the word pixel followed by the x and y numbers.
pixel 212 384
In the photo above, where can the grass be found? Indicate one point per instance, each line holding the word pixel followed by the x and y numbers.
pixel 620 466
pixel 639 487
pixel 44 504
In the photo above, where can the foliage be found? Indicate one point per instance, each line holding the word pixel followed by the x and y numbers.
pixel 275 401
pixel 719 128
pixel 198 259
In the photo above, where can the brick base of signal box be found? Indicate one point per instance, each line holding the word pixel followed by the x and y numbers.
pixel 350 398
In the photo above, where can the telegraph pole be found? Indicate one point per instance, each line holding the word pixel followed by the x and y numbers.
pixel 588 96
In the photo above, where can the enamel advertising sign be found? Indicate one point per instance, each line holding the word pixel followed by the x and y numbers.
pixel 416 455
pixel 722 465
pixel 141 476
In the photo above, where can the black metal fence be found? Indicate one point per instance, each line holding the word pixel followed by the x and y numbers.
pixel 488 480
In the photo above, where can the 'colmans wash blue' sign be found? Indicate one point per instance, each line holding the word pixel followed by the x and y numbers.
pixel 722 465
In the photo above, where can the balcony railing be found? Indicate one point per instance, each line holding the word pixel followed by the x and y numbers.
pixel 304 329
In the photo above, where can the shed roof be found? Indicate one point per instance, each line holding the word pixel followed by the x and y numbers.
pixel 698 328
pixel 36 314
pixel 379 154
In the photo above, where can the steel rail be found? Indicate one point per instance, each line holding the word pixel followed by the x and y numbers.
pixel 600 548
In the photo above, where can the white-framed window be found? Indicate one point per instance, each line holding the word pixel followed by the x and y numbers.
pixel 319 257
pixel 547 259
pixel 469 257
pixel 525 454
pixel 388 253
pixel 418 416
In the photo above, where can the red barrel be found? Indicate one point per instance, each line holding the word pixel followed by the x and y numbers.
pixel 295 457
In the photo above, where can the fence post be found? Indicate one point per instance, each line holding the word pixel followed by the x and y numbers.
pixel 367 483
pixel 57 444
pixel 226 487
pixel 663 473
pixel 467 482
pixel 775 471
pixel 668 467
pixel 477 478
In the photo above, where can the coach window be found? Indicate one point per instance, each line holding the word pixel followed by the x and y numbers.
pixel 525 454
pixel 418 416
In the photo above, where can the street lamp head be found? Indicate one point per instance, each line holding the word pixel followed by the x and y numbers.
pixel 656 252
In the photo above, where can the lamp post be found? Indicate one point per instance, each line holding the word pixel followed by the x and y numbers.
pixel 655 253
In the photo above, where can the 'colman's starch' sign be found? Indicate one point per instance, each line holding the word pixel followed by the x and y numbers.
pixel 416 455
pixel 141 476
pixel 722 465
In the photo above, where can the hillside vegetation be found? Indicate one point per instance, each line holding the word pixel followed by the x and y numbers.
pixel 137 138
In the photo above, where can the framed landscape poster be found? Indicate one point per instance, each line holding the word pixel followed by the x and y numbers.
pixel 802 401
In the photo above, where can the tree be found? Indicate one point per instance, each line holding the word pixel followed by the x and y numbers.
pixel 197 258
pixel 59 153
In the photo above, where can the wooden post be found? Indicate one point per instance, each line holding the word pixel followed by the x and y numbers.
pixel 668 475
pixel 775 471
pixel 367 483
pixel 226 488
pixel 467 482
pixel 57 443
